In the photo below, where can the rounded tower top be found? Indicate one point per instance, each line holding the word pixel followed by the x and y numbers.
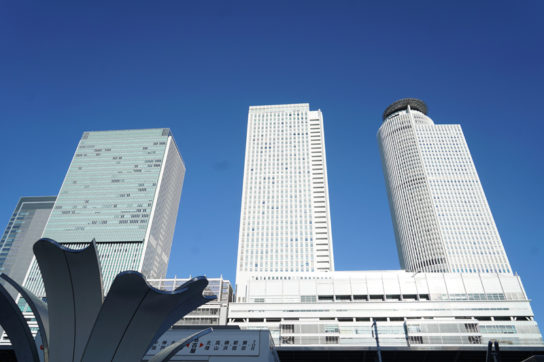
pixel 403 103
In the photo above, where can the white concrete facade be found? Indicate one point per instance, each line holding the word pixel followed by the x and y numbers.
pixel 410 309
pixel 458 288
pixel 440 214
pixel 285 223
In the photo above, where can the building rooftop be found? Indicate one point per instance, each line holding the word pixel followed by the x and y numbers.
pixel 403 103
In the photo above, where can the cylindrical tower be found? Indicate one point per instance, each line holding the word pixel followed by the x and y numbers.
pixel 440 214
pixel 416 228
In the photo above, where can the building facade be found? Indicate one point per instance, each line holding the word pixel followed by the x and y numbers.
pixel 213 313
pixel 24 228
pixel 285 226
pixel 122 189
pixel 441 217
pixel 409 309
pixel 458 290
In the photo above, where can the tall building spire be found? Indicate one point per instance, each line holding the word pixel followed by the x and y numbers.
pixel 440 214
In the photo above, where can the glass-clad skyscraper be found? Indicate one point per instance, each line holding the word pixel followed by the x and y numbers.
pixel 122 189
pixel 24 228
pixel 285 225
pixel 440 214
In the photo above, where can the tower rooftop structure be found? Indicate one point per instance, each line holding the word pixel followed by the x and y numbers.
pixel 402 104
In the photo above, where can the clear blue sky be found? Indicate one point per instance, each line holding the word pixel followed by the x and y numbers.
pixel 196 67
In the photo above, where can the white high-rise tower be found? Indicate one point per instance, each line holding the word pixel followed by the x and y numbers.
pixel 285 278
pixel 285 224
pixel 440 214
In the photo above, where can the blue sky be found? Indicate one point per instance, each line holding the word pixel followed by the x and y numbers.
pixel 70 67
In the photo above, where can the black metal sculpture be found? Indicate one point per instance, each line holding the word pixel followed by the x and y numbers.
pixel 14 324
pixel 78 324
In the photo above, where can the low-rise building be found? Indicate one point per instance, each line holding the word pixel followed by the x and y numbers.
pixel 408 309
